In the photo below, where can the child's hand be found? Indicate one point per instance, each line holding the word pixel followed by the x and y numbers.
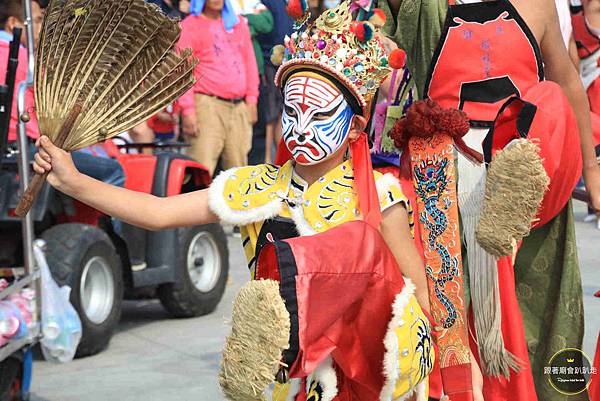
pixel 55 161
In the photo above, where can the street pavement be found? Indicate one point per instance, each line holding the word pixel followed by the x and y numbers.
pixel 153 357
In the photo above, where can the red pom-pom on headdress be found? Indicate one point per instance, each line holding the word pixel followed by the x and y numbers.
pixel 397 59
pixel 296 9
pixel 358 29
pixel 397 133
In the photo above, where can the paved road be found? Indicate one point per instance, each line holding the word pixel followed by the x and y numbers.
pixel 155 358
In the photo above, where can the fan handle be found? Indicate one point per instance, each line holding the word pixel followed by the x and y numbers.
pixel 37 182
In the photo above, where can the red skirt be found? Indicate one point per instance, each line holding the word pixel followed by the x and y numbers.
pixel 594 389
pixel 341 296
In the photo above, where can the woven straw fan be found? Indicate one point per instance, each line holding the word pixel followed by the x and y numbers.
pixel 102 67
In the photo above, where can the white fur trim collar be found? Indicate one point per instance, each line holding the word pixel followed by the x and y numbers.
pixel 384 183
pixel 238 217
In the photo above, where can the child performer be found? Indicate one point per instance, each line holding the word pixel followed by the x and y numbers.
pixel 329 76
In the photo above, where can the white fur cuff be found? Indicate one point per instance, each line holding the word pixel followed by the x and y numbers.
pixel 217 204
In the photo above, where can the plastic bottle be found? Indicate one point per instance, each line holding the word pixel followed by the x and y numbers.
pixel 10 322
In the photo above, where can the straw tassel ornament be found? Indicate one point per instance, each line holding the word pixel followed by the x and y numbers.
pixel 102 67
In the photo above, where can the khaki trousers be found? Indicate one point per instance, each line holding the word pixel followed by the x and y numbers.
pixel 223 130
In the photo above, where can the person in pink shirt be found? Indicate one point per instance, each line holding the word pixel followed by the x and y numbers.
pixel 219 111
pixel 9 10
pixel 87 161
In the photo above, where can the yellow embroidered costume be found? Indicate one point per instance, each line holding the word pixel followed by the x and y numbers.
pixel 248 196
pixel 342 322
pixel 270 204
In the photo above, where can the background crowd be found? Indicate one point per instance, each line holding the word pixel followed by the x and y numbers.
pixel 232 114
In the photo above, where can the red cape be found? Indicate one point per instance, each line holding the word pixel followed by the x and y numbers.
pixel 339 287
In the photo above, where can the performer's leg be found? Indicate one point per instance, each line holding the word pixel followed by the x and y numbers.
pixel 209 140
pixel 238 138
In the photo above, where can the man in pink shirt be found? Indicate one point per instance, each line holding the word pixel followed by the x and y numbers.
pixel 218 112
pixel 9 10
pixel 86 160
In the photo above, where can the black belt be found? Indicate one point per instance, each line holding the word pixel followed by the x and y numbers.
pixel 232 101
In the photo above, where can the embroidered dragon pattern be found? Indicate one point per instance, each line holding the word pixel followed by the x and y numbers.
pixel 431 181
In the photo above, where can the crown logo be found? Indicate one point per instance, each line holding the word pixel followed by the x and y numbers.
pixel 570 360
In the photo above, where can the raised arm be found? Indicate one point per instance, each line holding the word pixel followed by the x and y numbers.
pixel 561 70
pixel 136 208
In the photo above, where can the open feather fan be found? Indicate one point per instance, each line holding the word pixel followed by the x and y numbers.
pixel 104 66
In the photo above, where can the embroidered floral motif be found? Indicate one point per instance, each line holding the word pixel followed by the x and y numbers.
pixel 248 196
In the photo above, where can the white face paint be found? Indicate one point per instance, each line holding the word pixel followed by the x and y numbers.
pixel 316 120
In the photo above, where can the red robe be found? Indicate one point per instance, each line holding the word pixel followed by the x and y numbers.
pixel 341 288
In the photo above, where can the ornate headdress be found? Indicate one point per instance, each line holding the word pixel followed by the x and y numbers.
pixel 346 50
pixel 353 57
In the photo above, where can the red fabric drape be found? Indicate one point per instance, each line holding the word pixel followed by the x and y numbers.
pixel 364 182
pixel 283 154
pixel 594 389
pixel 344 298
pixel 554 129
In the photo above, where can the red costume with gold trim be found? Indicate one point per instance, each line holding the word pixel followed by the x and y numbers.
pixel 505 99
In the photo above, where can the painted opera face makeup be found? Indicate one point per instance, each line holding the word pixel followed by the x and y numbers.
pixel 316 119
